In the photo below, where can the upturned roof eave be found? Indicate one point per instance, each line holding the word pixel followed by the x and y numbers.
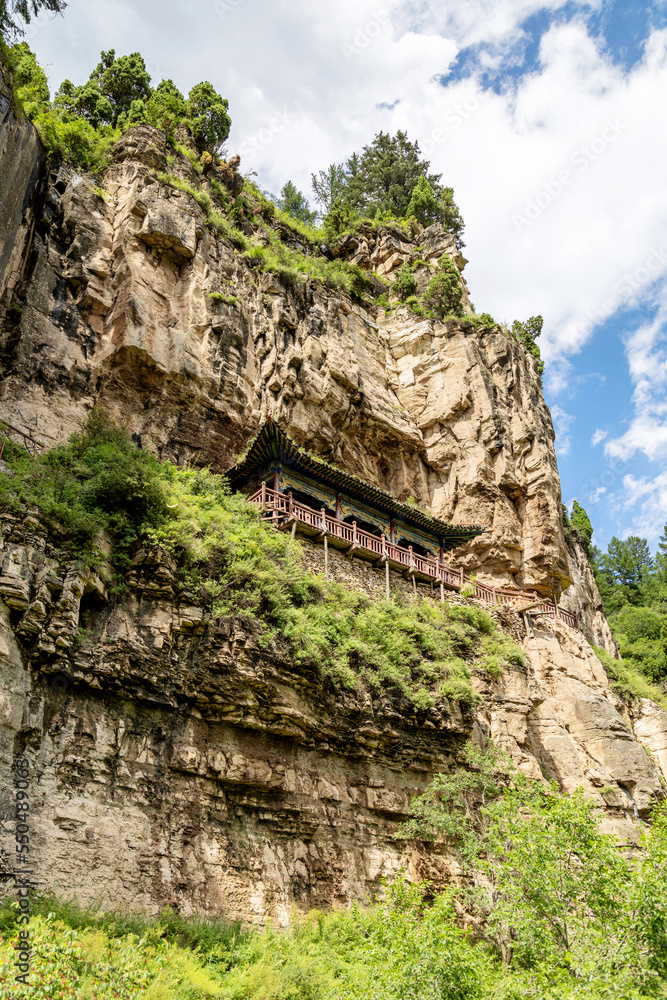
pixel 271 442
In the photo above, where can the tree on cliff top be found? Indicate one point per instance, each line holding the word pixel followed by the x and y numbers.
pixel 389 179
pixel 15 13
pixel 82 122
pixel 118 94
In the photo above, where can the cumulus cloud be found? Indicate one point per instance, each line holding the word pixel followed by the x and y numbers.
pixel 646 350
pixel 598 436
pixel 562 425
pixel 647 497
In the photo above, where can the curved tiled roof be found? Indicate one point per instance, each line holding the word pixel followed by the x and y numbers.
pixel 272 444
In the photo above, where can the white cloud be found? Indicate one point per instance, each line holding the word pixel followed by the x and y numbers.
pixel 562 424
pixel 597 494
pixel 648 499
pixel 646 350
pixel 598 436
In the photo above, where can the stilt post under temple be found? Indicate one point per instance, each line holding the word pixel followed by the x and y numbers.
pixel 442 592
pixel 386 579
pixel 326 544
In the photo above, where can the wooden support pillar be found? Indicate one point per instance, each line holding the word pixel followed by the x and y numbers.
pixel 529 625
pixel 337 507
pixel 414 585
pixel 326 556
pixel 294 529
pixel 442 592
pixel 354 533
pixel 386 579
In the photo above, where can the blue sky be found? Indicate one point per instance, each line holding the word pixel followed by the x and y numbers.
pixel 547 118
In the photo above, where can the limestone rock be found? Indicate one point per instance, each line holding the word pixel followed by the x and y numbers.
pixel 181 763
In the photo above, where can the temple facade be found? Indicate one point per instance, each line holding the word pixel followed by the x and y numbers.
pixel 303 492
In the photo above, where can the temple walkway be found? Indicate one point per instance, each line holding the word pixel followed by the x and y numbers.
pixel 285 512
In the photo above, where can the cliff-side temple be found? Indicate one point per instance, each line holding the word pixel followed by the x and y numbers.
pixel 300 492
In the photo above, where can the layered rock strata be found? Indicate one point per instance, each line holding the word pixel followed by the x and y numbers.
pixel 114 310
pixel 177 762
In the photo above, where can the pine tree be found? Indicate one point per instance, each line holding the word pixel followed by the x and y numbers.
pixel 381 181
pixel 14 12
pixel 628 564
pixel 423 205
pixel 580 520
pixel 294 202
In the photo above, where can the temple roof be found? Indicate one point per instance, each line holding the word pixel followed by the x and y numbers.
pixel 272 445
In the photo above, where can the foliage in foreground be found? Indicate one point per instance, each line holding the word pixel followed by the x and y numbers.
pixel 15 14
pixel 559 914
pixel 237 567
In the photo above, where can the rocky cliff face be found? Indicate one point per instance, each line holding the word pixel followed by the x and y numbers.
pixel 179 764
pixel 183 764
pixel 115 311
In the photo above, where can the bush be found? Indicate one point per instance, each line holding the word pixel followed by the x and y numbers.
pixel 526 334
pixel 444 294
pixel 628 681
pixel 405 285
pixel 76 141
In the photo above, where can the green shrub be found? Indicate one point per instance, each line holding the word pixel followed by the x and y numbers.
pixel 629 681
pixel 76 141
pixel 444 294
pixel 415 306
pixel 99 480
pixel 498 651
pixel 405 284
pixel 526 334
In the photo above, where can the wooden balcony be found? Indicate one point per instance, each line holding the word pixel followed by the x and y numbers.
pixel 284 512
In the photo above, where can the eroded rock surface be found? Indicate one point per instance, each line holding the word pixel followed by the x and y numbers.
pixel 116 311
pixel 181 763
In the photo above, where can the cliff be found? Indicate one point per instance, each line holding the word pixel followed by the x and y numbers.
pixel 182 763
pixel 115 311
pixel 179 763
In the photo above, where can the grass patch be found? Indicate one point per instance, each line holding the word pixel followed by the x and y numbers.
pixel 498 651
pixel 228 300
pixel 628 681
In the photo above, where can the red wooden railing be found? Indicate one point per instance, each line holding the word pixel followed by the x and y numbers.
pixel 282 505
pixel 7 432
